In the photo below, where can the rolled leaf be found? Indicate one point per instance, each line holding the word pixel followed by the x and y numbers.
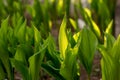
pixel 63 41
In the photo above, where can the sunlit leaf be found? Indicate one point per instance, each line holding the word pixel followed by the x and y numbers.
pixel 73 23
pixel 76 36
pixel 96 28
pixel 69 68
pixel 88 12
pixel 63 41
pixel 109 28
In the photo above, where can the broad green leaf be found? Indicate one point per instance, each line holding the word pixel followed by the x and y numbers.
pixel 108 65
pixel 116 49
pixel 63 41
pixel 116 55
pixel 87 48
pixel 20 67
pixel 111 61
pixel 69 66
pixel 20 55
pixel 108 68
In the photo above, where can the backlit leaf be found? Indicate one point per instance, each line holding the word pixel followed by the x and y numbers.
pixel 63 41
pixel 69 69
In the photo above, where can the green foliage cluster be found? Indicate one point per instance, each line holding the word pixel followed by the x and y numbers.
pixel 29 46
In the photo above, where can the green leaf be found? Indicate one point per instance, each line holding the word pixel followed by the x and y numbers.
pixel 96 29
pixel 21 68
pixel 4 30
pixel 23 52
pixel 116 48
pixel 116 55
pixel 88 44
pixel 93 26
pixel 39 16
pixel 76 36
pixel 74 24
pixel 109 41
pixel 52 54
pixel 67 7
pixel 111 61
pixel 12 41
pixel 52 71
pixel 108 68
pixel 35 61
pixel 21 33
pixel 86 14
pixel 108 65
pixel 37 38
pixel 2 72
pixel 30 36
pixel 69 69
pixel 63 41
pixel 17 22
pixel 109 28
pixel 7 66
pixel 4 54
